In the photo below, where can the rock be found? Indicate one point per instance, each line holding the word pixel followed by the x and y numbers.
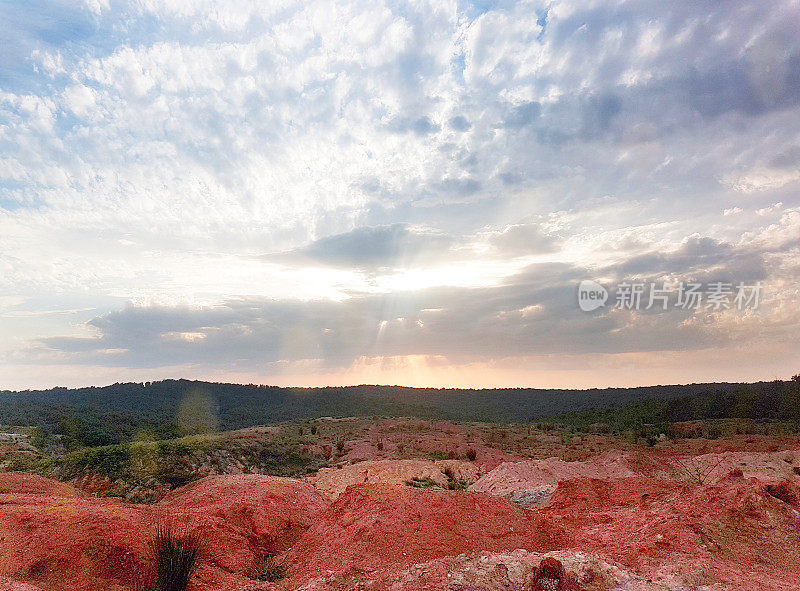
pixel 550 576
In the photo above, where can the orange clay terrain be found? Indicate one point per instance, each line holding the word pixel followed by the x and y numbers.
pixel 412 505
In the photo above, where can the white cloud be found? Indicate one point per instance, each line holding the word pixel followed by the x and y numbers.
pixel 80 100
pixel 155 151
pixel 762 179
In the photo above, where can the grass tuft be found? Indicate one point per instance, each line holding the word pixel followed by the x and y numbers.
pixel 270 571
pixel 175 557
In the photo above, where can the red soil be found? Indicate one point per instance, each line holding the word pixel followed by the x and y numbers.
pixel 653 530
pixel 734 532
pixel 67 542
pixel 245 517
pixel 333 481
pixel 19 483
pixel 58 540
pixel 372 526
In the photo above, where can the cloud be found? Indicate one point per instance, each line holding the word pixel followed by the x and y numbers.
pixel 421 126
pixel 153 152
pixel 522 115
pixel 372 248
pixel 703 258
pixel 762 179
pixel 383 249
pixel 531 312
pixel 522 239
pixel 459 123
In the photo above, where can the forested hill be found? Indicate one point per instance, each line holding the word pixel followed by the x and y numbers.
pixel 125 408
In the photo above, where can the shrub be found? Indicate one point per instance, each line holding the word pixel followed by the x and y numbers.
pixel 111 461
pixel 421 482
pixel 454 483
pixel 270 571
pixel 471 454
pixel 175 559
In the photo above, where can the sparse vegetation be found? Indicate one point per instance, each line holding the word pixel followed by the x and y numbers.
pixel 270 570
pixel 697 471
pixel 144 468
pixel 147 465
pixel 175 558
pixel 421 482
pixel 454 483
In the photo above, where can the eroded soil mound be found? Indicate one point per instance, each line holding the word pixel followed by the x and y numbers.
pixel 530 483
pixel 373 526
pixel 253 516
pixel 733 533
pixel 20 483
pixel 57 540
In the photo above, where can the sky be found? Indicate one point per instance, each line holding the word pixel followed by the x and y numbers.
pixel 402 192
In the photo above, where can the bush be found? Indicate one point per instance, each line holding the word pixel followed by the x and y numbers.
pixel 471 454
pixel 270 571
pixel 456 484
pixel 421 482
pixel 111 461
pixel 175 559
